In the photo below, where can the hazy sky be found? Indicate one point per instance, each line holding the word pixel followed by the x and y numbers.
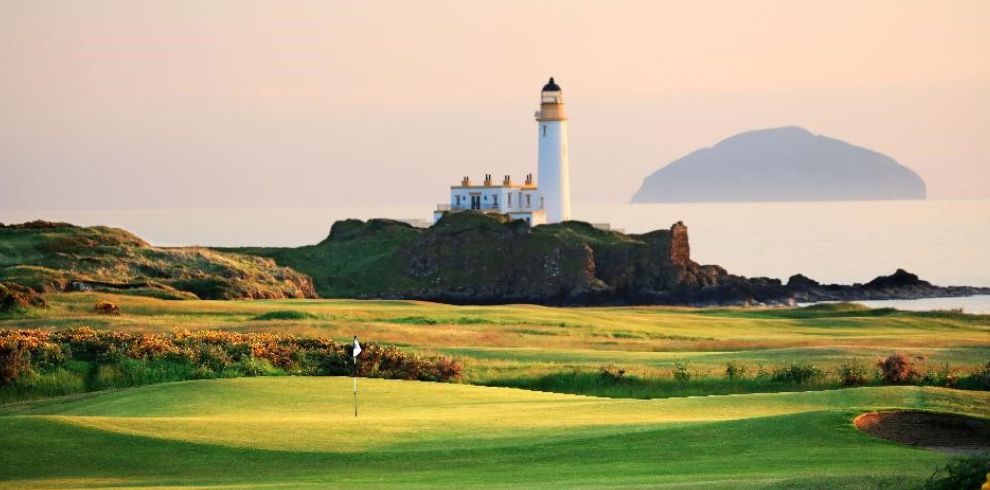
pixel 139 104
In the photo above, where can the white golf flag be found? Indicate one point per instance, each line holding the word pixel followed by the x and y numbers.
pixel 357 347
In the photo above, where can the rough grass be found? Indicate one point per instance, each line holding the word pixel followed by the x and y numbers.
pixel 520 342
pixel 301 432
pixel 53 258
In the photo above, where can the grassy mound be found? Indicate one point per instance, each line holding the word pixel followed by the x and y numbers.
pixel 285 315
pixel 62 257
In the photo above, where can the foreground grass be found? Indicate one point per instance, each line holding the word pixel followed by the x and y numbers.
pixel 300 432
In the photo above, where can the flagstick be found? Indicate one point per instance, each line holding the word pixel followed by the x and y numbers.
pixel 355 386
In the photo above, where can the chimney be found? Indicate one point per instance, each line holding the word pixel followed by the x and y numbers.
pixel 466 181
pixel 507 181
pixel 488 180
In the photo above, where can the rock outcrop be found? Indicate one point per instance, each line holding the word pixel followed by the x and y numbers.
pixel 899 285
pixel 472 258
pixel 477 258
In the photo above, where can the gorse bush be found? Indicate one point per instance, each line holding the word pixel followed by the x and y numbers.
pixel 108 359
pixel 106 308
pixel 896 369
pixel 18 299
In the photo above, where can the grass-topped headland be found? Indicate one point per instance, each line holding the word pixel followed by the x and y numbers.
pixel 62 257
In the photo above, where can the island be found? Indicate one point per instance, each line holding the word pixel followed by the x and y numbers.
pixel 781 164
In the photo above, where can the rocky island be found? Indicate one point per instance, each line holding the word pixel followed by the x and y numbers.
pixel 781 164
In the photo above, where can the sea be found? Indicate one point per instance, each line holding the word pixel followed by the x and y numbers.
pixel 946 242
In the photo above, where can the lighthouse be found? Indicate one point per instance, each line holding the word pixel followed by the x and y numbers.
pixel 553 174
pixel 545 198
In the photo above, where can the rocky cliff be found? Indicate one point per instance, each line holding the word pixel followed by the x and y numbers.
pixel 476 258
pixel 473 258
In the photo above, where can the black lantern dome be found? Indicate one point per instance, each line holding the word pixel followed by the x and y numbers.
pixel 551 86
pixel 551 93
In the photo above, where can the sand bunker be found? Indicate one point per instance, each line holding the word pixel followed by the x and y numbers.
pixel 931 430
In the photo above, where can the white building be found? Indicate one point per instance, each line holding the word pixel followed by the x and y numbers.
pixel 548 203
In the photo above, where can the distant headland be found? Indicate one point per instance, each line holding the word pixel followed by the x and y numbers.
pixel 465 258
pixel 781 164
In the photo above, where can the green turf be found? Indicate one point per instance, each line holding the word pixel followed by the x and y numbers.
pixel 299 432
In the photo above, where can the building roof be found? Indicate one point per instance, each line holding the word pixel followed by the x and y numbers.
pixel 551 86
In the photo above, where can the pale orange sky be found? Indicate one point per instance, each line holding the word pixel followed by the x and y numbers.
pixel 311 103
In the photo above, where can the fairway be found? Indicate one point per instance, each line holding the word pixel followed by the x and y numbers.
pixel 286 431
pixel 299 432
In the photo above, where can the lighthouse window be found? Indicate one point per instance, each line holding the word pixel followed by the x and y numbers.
pixel 544 128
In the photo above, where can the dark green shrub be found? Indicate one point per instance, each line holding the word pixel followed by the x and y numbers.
pixel 796 373
pixel 961 474
pixel 681 373
pixel 979 380
pixel 852 374
pixel 943 376
pixel 252 366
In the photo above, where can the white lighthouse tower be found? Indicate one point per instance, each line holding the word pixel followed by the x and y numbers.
pixel 549 200
pixel 553 178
